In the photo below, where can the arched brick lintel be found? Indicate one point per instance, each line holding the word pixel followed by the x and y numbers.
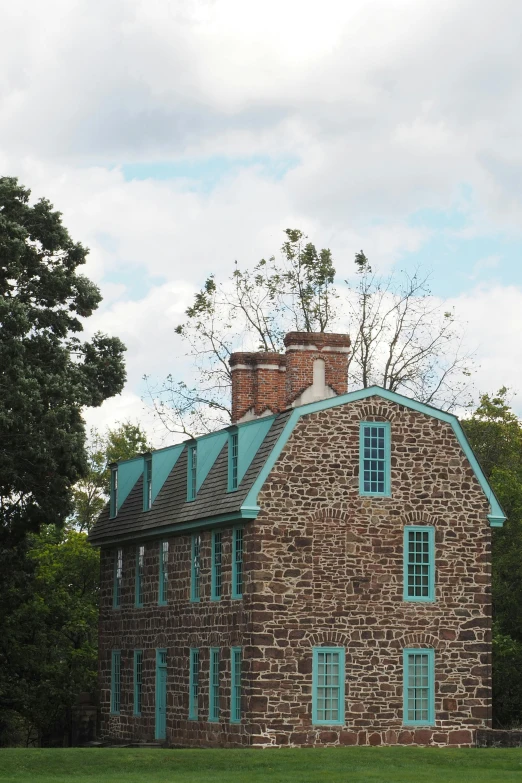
pixel 420 639
pixel 327 638
pixel 376 409
pixel 329 513
pixel 419 518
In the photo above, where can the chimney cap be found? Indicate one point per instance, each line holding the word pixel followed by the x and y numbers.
pixel 317 340
pixel 252 359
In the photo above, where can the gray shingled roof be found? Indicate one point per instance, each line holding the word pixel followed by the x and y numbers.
pixel 171 507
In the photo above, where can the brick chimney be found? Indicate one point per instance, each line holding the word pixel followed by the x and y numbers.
pixel 315 366
pixel 258 384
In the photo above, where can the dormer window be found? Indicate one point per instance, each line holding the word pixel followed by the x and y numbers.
pixel 192 471
pixel 232 461
pixel 147 484
pixel 113 502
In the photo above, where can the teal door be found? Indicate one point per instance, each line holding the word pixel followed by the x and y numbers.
pixel 161 694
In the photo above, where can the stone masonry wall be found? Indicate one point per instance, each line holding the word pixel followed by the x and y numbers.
pixel 323 566
pixel 328 571
pixel 176 627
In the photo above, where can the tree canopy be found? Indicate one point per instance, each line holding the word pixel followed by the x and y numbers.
pixel 49 610
pixel 91 492
pixel 47 373
pixel 402 338
pixel 495 433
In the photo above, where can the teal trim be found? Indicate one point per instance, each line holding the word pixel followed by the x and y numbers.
pixel 194 684
pixel 209 523
pixel 147 482
pixel 195 567
pixel 233 460
pixel 128 474
pixel 192 471
pixel 235 685
pixel 213 685
pixel 118 578
pixel 138 681
pixel 113 492
pixel 216 572
pixel 419 563
pixel 237 563
pixel 328 686
pixel 163 462
pixel 140 561
pixel 209 448
pixel 250 436
pixel 374 471
pixel 115 682
pixel 418 701
pixel 163 573
pixel 161 695
pixel 496 516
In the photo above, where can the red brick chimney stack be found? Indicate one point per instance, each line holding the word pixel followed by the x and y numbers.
pixel 258 384
pixel 315 366
pixel 303 349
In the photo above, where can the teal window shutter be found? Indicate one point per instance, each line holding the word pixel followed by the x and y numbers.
pixel 374 458
pixel 195 567
pixel 213 685
pixel 192 467
pixel 419 563
pixel 138 681
pixel 216 579
pixel 140 562
pixel 233 456
pixel 419 687
pixel 194 684
pixel 328 686
pixel 115 682
pixel 163 573
pixel 147 484
pixel 113 495
pixel 237 562
pixel 118 578
pixel 235 682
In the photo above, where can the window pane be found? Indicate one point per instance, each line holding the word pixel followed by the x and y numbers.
pixel 328 686
pixel 374 458
pixel 217 551
pixel 235 705
pixel 419 567
pixel 418 689
pixel 237 565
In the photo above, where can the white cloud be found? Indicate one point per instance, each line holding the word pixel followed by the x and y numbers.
pixel 389 106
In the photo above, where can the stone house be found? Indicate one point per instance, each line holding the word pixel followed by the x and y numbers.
pixel 317 573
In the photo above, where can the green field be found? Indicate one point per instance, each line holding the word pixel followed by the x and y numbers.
pixel 332 765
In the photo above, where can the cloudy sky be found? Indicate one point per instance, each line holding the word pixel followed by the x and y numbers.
pixel 179 135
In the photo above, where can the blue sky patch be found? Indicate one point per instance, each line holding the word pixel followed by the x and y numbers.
pixel 205 173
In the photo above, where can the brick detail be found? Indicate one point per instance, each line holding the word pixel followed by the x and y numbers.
pixel 258 383
pixel 303 348
pixel 272 381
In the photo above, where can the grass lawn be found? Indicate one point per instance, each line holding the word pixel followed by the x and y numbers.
pixel 314 765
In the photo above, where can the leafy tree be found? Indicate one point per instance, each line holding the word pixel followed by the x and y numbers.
pixel 48 647
pixel 91 493
pixel 495 433
pixel 49 611
pixel 47 374
pixel 402 339
pixel 257 306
